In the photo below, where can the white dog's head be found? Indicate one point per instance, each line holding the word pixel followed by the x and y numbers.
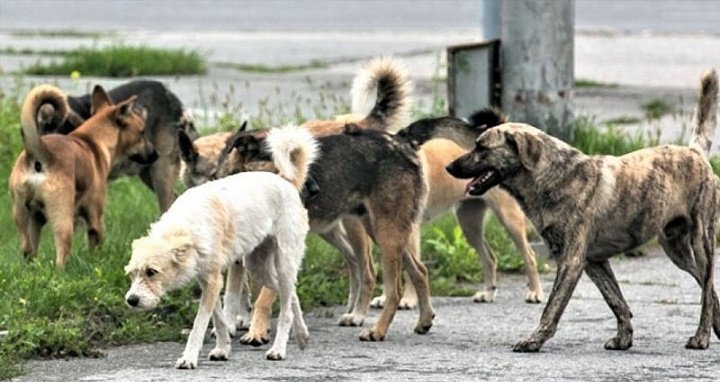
pixel 159 265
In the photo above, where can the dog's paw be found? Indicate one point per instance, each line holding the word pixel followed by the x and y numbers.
pixel 371 335
pixel 484 296
pixel 250 338
pixel 218 355
pixel 619 343
pixel 527 346
pixel 185 363
pixel 407 303
pixel 698 342
pixel 350 319
pixel 302 340
pixel 378 302
pixel 534 297
pixel 275 355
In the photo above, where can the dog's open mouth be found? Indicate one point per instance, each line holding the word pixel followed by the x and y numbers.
pixel 483 182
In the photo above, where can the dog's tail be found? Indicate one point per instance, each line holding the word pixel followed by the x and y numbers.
pixel 385 81
pixel 705 113
pixel 293 150
pixel 484 119
pixel 40 96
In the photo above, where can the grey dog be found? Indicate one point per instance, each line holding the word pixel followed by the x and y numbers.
pixel 590 208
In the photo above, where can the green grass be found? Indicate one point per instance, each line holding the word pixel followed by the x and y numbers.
pixel 32 52
pixel 60 33
pixel 259 68
pixel 657 108
pixel 622 120
pixel 590 138
pixel 584 84
pixel 123 61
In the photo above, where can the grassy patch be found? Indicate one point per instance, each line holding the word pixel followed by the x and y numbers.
pixel 32 52
pixel 585 84
pixel 656 108
pixel 123 61
pixel 60 33
pixel 259 68
pixel 622 120
pixel 590 138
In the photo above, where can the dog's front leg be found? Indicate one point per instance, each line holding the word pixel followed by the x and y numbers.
pixel 571 261
pixel 210 294
pixel 222 335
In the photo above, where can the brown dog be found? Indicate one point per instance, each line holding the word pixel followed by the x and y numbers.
pixel 446 192
pixel 62 177
pixel 590 208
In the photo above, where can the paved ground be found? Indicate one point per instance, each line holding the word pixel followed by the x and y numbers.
pixel 469 342
pixel 651 48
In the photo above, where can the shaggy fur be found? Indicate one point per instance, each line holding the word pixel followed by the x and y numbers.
pixel 445 192
pixel 59 178
pixel 590 208
pixel 58 113
pixel 365 177
pixel 254 221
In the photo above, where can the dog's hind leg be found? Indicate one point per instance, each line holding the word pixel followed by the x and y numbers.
pixel 235 300
pixel 602 275
pixel 418 275
pixel 95 227
pixel 161 177
pixel 222 335
pixel 29 228
pixel 571 261
pixel 471 217
pixel 211 287
pixel 338 238
pixel 392 238
pixel 258 333
pixel 302 335
pixel 677 242
pixel 513 219
pixel 60 217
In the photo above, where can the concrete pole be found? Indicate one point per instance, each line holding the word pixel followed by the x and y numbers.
pixel 537 41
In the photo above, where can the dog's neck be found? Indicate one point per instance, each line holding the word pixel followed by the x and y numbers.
pixel 539 190
pixel 101 137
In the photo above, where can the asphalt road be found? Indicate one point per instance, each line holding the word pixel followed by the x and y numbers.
pixel 469 342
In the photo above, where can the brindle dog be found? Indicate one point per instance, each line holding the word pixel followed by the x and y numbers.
pixel 590 208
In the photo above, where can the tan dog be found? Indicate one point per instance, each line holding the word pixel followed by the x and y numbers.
pixel 446 192
pixel 590 208
pixel 59 178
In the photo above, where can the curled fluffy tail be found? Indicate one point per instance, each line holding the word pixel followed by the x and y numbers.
pixel 486 118
pixel 293 150
pixel 705 112
pixel 385 81
pixel 39 96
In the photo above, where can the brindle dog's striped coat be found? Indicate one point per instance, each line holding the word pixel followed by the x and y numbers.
pixel 589 208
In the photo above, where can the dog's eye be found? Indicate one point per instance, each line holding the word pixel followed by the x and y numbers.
pixel 150 272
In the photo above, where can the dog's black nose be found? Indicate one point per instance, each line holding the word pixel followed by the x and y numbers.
pixel 133 300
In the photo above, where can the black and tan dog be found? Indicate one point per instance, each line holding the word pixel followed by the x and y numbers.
pixel 368 176
pixel 446 192
pixel 384 79
pixel 59 113
pixel 590 208
pixel 62 177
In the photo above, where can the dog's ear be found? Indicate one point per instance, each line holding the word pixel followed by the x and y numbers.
pixel 188 151
pixel 126 108
pixel 246 143
pixel 528 147
pixel 100 100
pixel 243 127
pixel 180 243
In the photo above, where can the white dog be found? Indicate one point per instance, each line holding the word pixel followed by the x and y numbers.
pixel 254 221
